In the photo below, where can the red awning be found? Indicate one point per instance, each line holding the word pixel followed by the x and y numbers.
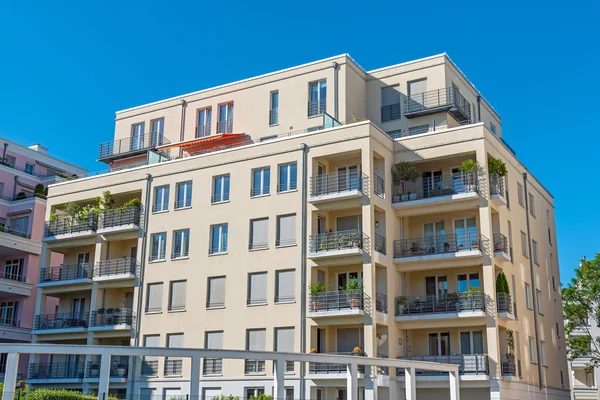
pixel 208 140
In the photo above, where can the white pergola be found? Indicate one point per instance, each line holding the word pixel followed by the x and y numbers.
pixel 196 355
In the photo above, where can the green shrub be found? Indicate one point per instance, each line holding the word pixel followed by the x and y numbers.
pixel 61 394
pixel 469 165
pixel 262 397
pixel 496 166
pixel 404 171
pixel 502 284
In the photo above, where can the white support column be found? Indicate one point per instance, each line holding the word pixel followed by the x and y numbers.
pixel 104 377
pixel 454 386
pixel 410 383
pixel 371 382
pixel 195 377
pixel 279 380
pixel 10 376
pixel 352 381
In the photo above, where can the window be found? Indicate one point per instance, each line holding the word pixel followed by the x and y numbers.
pixel 471 342
pixel 416 130
pixel 510 242
pixel 13 269
pixel 285 285
pixel 553 284
pixel 416 88
pixel 538 298
pixel 161 198
pixel 528 296
pixel 531 205
pixel 543 352
pixel 29 168
pixel 274 110
pixel 547 223
pixel 250 393
pixel 154 297
pixel 216 292
pixel 218 239
pixel 225 124
pixel 1 189
pixel 181 243
pixel 184 195
pixel 214 341
pixel 534 249
pixel 317 98
pixel 286 230
pixel 203 123
pixel 492 128
pixel 520 195
pixel 259 234
pixel 267 138
pixel 390 103
pixel 158 246
pixel 284 342
pixel 157 132
pixel 532 350
pixel 287 177
pixel 137 136
pixel 514 296
pixel 255 341
pixel 465 281
pixel 19 226
pixel 524 244
pixel 257 288
pixel 177 296
pixel 150 364
pixel 8 313
pixel 261 181
pixel 147 393
pixel 173 365
pixel 10 160
pixel 220 189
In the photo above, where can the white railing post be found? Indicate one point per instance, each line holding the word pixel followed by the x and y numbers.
pixel 10 376
pixel 454 389
pixel 279 379
pixel 352 381
pixel 410 383
pixel 104 377
pixel 195 377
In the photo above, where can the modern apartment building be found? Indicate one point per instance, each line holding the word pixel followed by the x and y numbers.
pixel 22 214
pixel 227 204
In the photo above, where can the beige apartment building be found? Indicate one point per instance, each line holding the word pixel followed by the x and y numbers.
pixel 220 221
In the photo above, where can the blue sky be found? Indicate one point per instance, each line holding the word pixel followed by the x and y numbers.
pixel 67 66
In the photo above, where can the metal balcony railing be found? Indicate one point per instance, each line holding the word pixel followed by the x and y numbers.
pixel 65 273
pixel 330 368
pixel 381 303
pixel 380 244
pixel 183 203
pixel 130 145
pixel 61 321
pixel 339 300
pixel 118 266
pixel 225 126
pixel 341 240
pixel 468 364
pixel 435 186
pixel 438 244
pixel 446 99
pixel 254 367
pixel 273 116
pixel 508 365
pixel 504 302
pixel 501 243
pixel 202 131
pixel 287 187
pixel 66 224
pixel 317 107
pixel 219 198
pixel 120 370
pixel 16 232
pixel 111 317
pixel 379 186
pixel 336 182
pixel 58 370
pixel 149 368
pixel 13 276
pixel 449 303
pixel 496 184
pixel 390 112
pixel 119 217
pixel 212 366
pixel 173 367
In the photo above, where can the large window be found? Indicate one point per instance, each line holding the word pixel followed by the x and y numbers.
pixel 543 352
pixel 465 281
pixel 531 205
pixel 13 269
pixel 216 292
pixel 524 244
pixel 225 124
pixel 287 177
pixel 317 92
pixel 19 226
pixel 29 168
pixel 520 195
pixel 177 295
pixel 161 198
pixel 390 103
pixel 173 365
pixel 528 296
pixel 285 286
pixel 284 342
pixel 255 341
pixel 257 288
pixel 532 350
pixel 259 234
pixel 137 136
pixel 181 243
pixel 154 297
pixel 158 131
pixel 286 230
pixel 534 250
pixel 261 181
pixel 184 195
pixel 471 342
pixel 150 364
pixel 220 189
pixel 8 313
pixel 204 118
pixel 218 239
pixel 274 110
pixel 158 246
pixel 538 299
pixel 213 366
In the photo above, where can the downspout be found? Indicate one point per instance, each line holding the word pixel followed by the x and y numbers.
pixel 533 285
pixel 478 108
pixel 303 255
pixel 141 277
pixel 182 126
pixel 335 90
pixel 4 153
pixel 15 186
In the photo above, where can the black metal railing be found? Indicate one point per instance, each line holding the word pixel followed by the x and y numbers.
pixel 390 112
pixel 435 186
pixel 112 316
pixel 381 303
pixel 504 302
pixel 508 365
pixel 339 300
pixel 468 364
pixel 13 276
pixel 118 266
pixel 446 99
pixel 212 366
pixel 225 126
pixel 332 368
pixel 341 240
pixel 120 370
pixel 438 244
pixel 66 224
pixel 173 367
pixel 202 130
pixel 119 217
pixel 131 144
pixel 317 107
pixel 61 321
pixel 501 243
pixel 149 368
pixel 379 186
pixel 16 232
pixel 336 182
pixel 273 116
pixel 449 303
pixel 254 367
pixel 380 244
pixel 65 272
pixel 58 370
pixel 496 184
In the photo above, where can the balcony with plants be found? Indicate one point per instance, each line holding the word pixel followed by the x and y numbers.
pixel 510 366
pixel 504 302
pixel 341 185
pixel 468 304
pixel 68 322
pixel 321 368
pixel 439 247
pixel 502 250
pixel 497 173
pixel 349 300
pixel 335 244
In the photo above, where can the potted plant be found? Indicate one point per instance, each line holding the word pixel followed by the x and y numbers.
pixel 510 342
pixel 446 247
pixel 355 294
pixel 402 304
pixel 469 171
pixel 472 301
pixel 403 172
pixel 496 166
pixel 94 370
pixel 121 370
pixel 474 245
pixel 21 195
pixel 316 290
pixel 414 248
pixel 313 350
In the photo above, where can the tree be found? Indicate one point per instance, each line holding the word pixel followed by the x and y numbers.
pixel 581 300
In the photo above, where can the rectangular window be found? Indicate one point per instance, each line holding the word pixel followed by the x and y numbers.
pixel 1 189
pixel 538 299
pixel 259 234
pixel 251 393
pixel 19 226
pixel 267 138
pixel 287 177
pixel 261 181
pixel 257 288
pixel 150 364
pixel 532 350
pixel 157 132
pixel 161 198
pixel 184 195
pixel 225 124
pixel 531 205
pixel 218 239
pixel 471 342
pixel 520 195
pixel 524 244
pixel 274 110
pixel 285 286
pixel 13 269
pixel 492 128
pixel 216 292
pixel 553 284
pixel 514 296
pixel 8 313
pixel 10 160
pixel 284 342
pixel 255 341
pixel 534 250
pixel 177 296
pixel 510 242
pixel 286 230
pixel 173 365
pixel 137 137
pixel 528 296
pixel 158 246
pixel 220 189
pixel 390 103
pixel 29 168
pixel 214 341
pixel 203 124
pixel 548 224
pixel 317 98
pixel 154 297
pixel 181 243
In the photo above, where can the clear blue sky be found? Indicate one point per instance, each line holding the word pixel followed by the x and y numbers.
pixel 67 66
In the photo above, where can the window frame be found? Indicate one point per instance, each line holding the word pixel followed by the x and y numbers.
pixel 258 246
pixel 532 356
pixel 185 243
pixel 220 249
pixel 166 191
pixel 228 120
pixel 528 294
pixel 320 107
pixel 188 190
pixel 289 187
pixel 274 111
pixel 169 304
pixel 147 309
pixel 278 242
pixel 32 172
pixel 223 196
pixel 520 194
pixel 158 258
pixel 204 126
pixel 257 302
pixel 531 204
pixel 534 250
pixel 277 299
pixel 524 245
pixel 209 305
pixel 265 190
pixel 538 298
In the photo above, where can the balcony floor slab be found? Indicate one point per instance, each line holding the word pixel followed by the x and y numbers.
pixel 438 256
pixel 335 253
pixel 502 256
pixel 71 282
pixel 337 196
pixel 336 313
pixel 111 278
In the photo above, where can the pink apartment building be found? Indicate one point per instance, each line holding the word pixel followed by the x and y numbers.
pixel 22 213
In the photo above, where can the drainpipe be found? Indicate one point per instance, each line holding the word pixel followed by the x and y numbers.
pixel 478 108
pixel 182 126
pixel 303 255
pixel 141 277
pixel 335 90
pixel 4 153
pixel 15 185
pixel 533 285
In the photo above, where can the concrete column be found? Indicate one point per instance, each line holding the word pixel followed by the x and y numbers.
pixel 195 377
pixel 454 386
pixel 352 381
pixel 410 383
pixel 370 383
pixel 10 376
pixel 104 376
pixel 279 379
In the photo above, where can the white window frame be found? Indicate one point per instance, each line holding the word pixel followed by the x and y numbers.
pixel 534 249
pixel 264 191
pixel 273 121
pixel 205 122
pixel 229 112
pixel 220 249
pixel 185 247
pixel 531 204
pixel 187 195
pixel 492 128
pixel 163 237
pixel 524 245
pixel 520 194
pixel 538 298
pixel 28 164
pixel 318 100
pixel 223 195
pixel 289 187
pixel 164 202
pixel 528 302
pixel 532 358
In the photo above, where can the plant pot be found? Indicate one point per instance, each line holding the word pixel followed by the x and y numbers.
pixel 121 371
pixel 498 246
pixel 94 372
pixel 354 303
pixel 317 305
pixel 414 252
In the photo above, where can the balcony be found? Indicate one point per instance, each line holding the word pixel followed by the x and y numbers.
pixel 118 372
pixel 381 303
pixel 60 323
pixel 11 330
pixel 380 244
pixel 212 366
pixel 67 227
pixel 584 393
pixel 173 367
pixel 439 247
pixel 130 146
pixel 497 193
pixel 504 306
pixel 450 306
pixel 119 220
pixel 337 186
pixel 317 107
pixel 508 367
pixel 379 186
pixel 124 268
pixel 112 319
pixel 59 371
pixel 468 364
pixel 339 303
pixel 14 284
pixel 73 274
pixel 435 101
pixel 319 368
pixel 337 244
pixel 390 112
pixel 202 131
pixel 254 367
pixel 17 242
pixel 502 252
